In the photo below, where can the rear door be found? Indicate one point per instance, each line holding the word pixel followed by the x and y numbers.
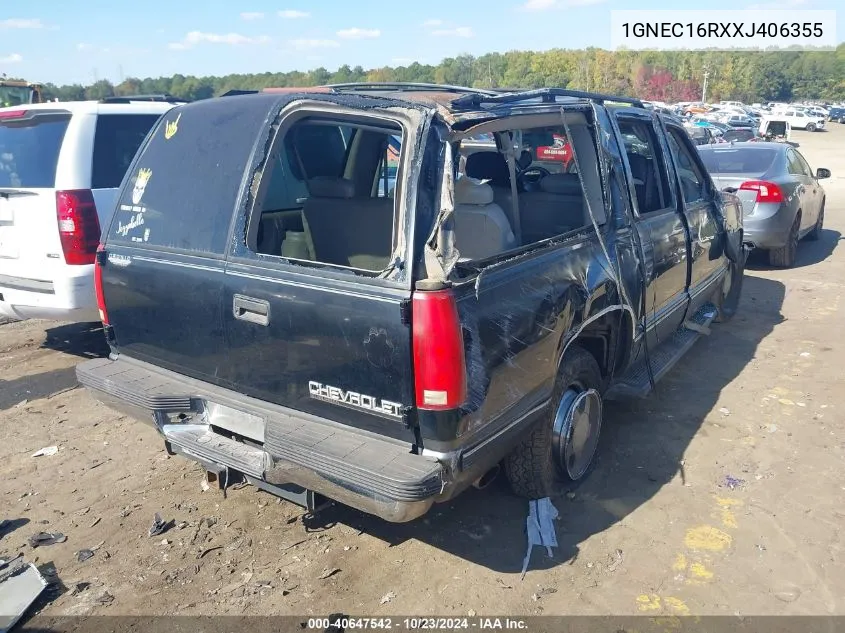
pixel 659 222
pixel 166 244
pixel 30 146
pixel 316 291
pixel 699 201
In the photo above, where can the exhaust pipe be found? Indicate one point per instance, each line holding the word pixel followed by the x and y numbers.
pixel 487 478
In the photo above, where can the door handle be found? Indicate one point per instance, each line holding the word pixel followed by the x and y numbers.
pixel 252 310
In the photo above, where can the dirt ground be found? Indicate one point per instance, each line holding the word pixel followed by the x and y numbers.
pixel 720 494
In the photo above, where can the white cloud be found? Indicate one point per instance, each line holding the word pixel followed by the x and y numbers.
pixel 460 31
pixel 83 47
pixel 251 15
pixel 14 58
pixel 358 34
pixel 293 14
pixel 232 39
pixel 307 45
pixel 18 23
pixel 432 23
pixel 402 61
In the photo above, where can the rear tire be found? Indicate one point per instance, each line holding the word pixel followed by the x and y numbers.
pixel 728 302
pixel 784 257
pixel 816 234
pixel 533 466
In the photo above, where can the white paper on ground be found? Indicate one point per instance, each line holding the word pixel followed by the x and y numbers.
pixel 47 451
pixel 540 528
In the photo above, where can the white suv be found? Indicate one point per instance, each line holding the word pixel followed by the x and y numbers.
pixel 60 167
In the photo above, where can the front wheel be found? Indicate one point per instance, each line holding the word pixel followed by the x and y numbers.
pixel 561 446
pixel 811 127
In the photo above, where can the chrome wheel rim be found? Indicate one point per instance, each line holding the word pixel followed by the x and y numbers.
pixel 577 426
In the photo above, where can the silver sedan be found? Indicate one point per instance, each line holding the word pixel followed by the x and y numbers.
pixel 782 200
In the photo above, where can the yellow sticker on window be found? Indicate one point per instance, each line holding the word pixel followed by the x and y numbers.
pixel 171 127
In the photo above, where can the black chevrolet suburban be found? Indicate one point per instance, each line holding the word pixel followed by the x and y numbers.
pixel 373 294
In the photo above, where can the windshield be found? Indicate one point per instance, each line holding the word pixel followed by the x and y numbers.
pixel 15 95
pixel 739 160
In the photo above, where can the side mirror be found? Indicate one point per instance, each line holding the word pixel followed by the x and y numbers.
pixel 821 172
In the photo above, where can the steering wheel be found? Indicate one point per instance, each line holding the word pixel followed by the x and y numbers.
pixel 533 175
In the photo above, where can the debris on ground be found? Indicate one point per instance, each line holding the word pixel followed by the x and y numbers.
pixel 20 585
pixel 540 528
pixel 104 598
pixel 732 483
pixel 40 539
pixel 83 555
pixel 47 451
pixel 388 597
pixel 328 573
pixel 94 522
pixel 159 526
pixel 617 560
pixel 725 411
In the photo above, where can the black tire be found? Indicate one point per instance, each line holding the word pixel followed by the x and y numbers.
pixel 531 467
pixel 811 127
pixel 784 257
pixel 728 302
pixel 816 234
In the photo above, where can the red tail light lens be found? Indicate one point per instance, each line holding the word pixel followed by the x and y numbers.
pixel 766 191
pixel 98 285
pixel 439 364
pixel 13 114
pixel 79 226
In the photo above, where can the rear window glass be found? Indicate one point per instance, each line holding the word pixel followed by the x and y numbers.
pixel 29 151
pixel 182 190
pixel 738 135
pixel 739 161
pixel 116 140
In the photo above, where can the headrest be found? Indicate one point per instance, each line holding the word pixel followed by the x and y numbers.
pixel 472 191
pixel 568 184
pixel 489 165
pixel 323 187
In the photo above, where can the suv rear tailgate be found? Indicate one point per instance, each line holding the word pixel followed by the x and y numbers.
pixel 30 248
pixel 335 345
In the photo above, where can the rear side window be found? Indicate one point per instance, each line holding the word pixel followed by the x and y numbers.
pixel 182 190
pixel 116 140
pixel 29 150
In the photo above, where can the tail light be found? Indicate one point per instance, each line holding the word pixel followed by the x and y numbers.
pixel 766 191
pixel 98 284
pixel 439 364
pixel 79 227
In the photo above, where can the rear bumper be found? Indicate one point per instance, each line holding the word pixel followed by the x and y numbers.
pixel 768 226
pixel 68 298
pixel 368 472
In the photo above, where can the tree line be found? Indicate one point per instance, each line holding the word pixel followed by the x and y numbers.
pixel 655 75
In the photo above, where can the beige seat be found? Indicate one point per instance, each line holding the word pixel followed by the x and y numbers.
pixel 347 230
pixel 481 227
pixel 491 166
pixel 557 207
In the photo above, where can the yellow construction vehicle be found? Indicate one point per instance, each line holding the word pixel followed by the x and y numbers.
pixel 13 92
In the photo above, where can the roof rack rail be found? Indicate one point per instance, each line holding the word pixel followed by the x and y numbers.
pixel 234 93
pixel 164 98
pixel 398 86
pixel 548 95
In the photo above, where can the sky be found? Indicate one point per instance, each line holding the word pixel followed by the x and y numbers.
pixel 78 42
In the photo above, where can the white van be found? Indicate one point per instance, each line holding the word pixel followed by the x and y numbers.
pixel 60 166
pixel 775 128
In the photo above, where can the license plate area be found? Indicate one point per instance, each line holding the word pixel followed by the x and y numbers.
pixel 235 421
